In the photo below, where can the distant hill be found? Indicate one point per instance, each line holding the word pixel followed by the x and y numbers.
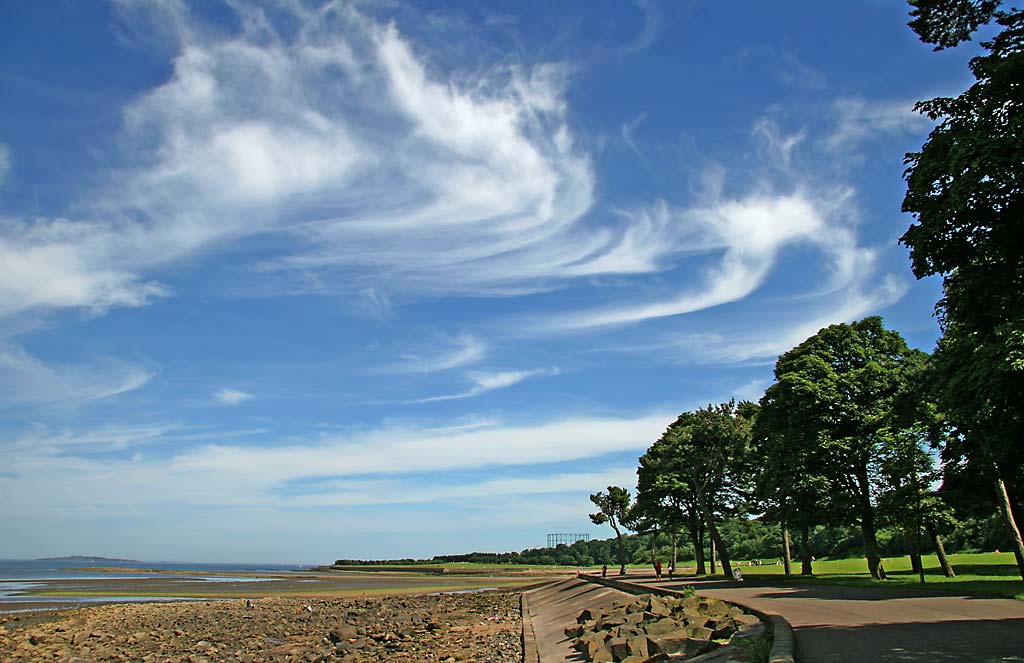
pixel 84 558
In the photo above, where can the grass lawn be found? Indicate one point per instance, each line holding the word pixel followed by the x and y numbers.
pixel 993 574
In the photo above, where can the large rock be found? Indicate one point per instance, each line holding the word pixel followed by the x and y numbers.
pixel 651 628
pixel 342 632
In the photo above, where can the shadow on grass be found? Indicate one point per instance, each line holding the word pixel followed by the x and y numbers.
pixel 900 585
pixel 941 642
pixel 1006 570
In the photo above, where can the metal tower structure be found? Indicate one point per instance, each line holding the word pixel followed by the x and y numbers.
pixel 568 538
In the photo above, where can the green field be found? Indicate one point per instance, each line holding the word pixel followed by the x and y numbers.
pixel 992 574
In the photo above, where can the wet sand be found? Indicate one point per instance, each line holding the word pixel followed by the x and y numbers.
pixel 57 594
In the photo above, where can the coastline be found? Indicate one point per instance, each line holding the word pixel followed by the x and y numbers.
pixel 50 594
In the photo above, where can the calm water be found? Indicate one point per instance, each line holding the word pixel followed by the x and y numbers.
pixel 61 569
pixel 18 576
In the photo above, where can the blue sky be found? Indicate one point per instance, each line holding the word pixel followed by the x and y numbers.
pixel 296 281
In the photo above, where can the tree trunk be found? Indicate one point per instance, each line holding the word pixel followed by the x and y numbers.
pixel 1004 507
pixel 867 527
pixel 713 567
pixel 675 549
pixel 716 539
pixel 915 556
pixel 787 560
pixel 622 551
pixel 805 552
pixel 940 550
pixel 697 536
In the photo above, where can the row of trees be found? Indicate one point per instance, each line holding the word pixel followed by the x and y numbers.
pixel 851 433
pixel 857 427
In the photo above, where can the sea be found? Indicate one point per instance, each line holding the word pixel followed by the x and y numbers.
pixel 68 568
pixel 18 576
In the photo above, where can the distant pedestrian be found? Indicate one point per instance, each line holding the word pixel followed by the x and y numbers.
pixel 671 569
pixel 657 569
pixel 604 571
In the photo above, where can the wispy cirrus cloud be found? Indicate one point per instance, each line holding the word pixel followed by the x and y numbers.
pixel 445 353
pixel 5 162
pixel 228 396
pixel 484 381
pixel 27 380
pixel 242 475
pixel 766 340
pixel 747 235
pixel 51 264
pixel 857 119
pixel 389 491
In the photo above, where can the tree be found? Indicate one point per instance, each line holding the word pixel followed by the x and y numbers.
pixel 838 387
pixel 665 495
pixel 790 480
pixel 614 507
pixel 946 23
pixel 713 445
pixel 656 513
pixel 966 190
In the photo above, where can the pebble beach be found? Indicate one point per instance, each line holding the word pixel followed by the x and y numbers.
pixel 480 627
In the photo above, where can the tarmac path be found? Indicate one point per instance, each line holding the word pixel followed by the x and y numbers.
pixel 859 624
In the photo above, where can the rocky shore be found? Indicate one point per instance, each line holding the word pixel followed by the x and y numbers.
pixel 652 628
pixel 480 627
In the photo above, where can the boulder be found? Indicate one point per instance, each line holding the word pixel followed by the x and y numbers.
pixel 699 633
pixel 342 632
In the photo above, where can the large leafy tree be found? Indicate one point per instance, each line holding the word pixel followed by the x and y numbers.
pixel 966 190
pixel 839 387
pixel 713 449
pixel 664 495
pixel 791 481
pixel 613 509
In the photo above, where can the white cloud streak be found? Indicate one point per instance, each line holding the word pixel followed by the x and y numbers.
pixel 769 340
pixel 370 492
pixel 60 475
pixel 226 396
pixel 56 263
pixel 383 173
pixel 859 119
pixel 748 234
pixel 447 353
pixel 27 380
pixel 5 162
pixel 483 382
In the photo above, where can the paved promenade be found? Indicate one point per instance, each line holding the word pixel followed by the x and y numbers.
pixel 868 625
pixel 831 624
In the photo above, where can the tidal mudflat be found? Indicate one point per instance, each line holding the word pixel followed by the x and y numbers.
pixel 67 592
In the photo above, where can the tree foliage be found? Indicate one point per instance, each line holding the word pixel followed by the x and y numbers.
pixel 832 410
pixel 946 23
pixel 613 509
pixel 966 190
pixel 696 472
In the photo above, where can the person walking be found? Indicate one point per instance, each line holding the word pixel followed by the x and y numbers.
pixel 657 569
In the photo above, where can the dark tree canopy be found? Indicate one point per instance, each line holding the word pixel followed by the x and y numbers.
pixel 966 190
pixel 831 412
pixel 946 23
